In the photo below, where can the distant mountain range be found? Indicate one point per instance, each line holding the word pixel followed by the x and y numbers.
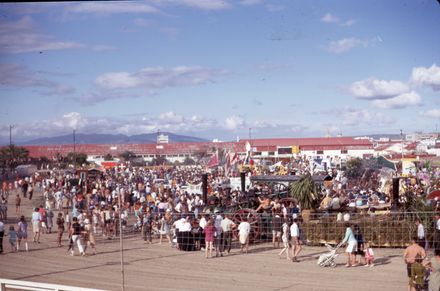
pixel 109 139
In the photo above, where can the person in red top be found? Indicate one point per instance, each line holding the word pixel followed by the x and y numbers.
pixel 209 237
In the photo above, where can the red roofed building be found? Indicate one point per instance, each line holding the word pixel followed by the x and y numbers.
pixel 342 147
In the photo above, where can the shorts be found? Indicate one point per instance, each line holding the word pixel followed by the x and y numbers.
pixel 296 241
pixel 22 235
pixel 36 226
pixel 351 248
pixel 276 233
pixel 244 238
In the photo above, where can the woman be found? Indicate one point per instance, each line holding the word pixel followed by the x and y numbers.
pixel 209 231
pixel 351 246
pixel 164 229
pixel 434 277
pixel 22 233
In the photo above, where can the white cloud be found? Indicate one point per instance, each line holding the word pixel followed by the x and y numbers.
pixel 168 121
pixel 356 117
pixel 18 76
pixel 346 44
pixel 157 78
pixel 234 122
pixel 274 8
pixel 200 4
pixel 22 36
pixel 111 7
pixel 348 23
pixel 377 89
pixel 329 18
pixel 427 76
pixel 400 101
pixel 250 2
pixel 434 113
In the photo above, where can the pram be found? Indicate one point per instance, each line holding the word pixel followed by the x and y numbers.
pixel 328 259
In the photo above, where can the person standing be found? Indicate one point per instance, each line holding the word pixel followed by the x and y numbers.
pixel 436 244
pixel 22 233
pixel 244 229
pixel 296 241
pixel 351 241
pixel 218 241
pixel 209 231
pixel 75 232
pixel 36 220
pixel 420 233
pixel 434 266
pixel 17 205
pixel 2 233
pixel 409 256
pixel 60 224
pixel 227 226
pixel 12 238
pixel 286 239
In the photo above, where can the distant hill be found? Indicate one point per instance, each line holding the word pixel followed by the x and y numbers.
pixel 110 139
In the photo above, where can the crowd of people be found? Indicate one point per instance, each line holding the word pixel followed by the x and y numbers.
pixel 157 202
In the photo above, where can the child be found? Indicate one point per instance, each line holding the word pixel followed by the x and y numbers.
pixel 286 239
pixel 369 255
pixel 13 238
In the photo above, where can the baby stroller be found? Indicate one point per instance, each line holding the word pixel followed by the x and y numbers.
pixel 328 259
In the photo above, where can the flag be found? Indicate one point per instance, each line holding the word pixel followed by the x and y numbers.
pixel 213 162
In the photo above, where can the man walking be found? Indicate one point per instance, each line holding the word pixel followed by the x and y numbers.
pixel 296 242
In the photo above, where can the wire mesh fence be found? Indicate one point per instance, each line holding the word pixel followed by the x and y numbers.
pixel 394 229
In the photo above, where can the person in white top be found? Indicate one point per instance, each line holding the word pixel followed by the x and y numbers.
pixel 437 231
pixel 420 233
pixel 295 240
pixel 227 225
pixel 244 230
pixel 285 238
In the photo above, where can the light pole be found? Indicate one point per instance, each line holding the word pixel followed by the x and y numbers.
pixel 10 135
pixel 121 244
pixel 74 150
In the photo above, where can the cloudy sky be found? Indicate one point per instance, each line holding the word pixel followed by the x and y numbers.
pixel 215 68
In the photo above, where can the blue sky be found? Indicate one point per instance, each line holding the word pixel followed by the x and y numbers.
pixel 215 68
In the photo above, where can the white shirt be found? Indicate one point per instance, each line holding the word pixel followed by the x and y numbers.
pixel 294 230
pixel 2 227
pixel 202 223
pixel 186 226
pixel 227 224
pixel 438 224
pixel 420 231
pixel 244 228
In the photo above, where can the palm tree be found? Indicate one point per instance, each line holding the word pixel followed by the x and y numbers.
pixel 305 192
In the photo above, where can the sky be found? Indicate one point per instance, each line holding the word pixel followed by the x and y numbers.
pixel 220 69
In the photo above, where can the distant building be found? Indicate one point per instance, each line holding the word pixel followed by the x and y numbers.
pixel 418 136
pixel 163 138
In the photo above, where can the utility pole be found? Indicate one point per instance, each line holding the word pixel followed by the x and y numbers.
pixel 401 137
pixel 121 243
pixel 74 150
pixel 10 135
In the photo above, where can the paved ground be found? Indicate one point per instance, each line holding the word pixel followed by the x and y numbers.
pixel 160 267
